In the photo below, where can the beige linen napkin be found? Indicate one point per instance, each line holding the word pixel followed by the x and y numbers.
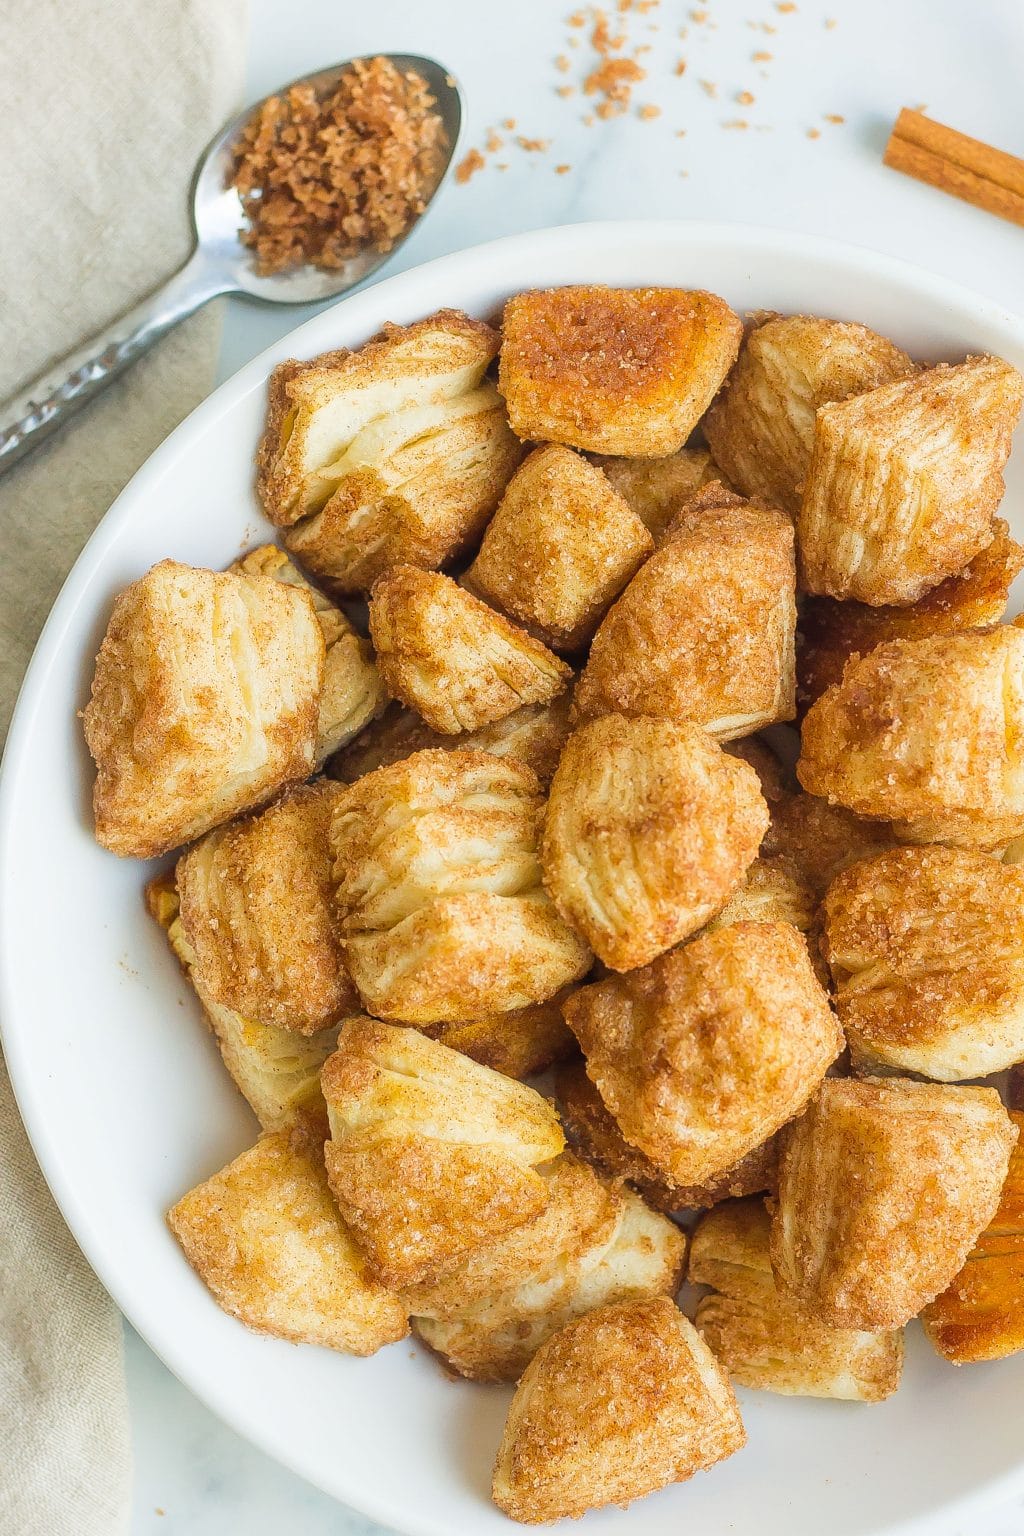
pixel 104 107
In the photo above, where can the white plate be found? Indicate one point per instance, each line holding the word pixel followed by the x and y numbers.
pixel 126 1101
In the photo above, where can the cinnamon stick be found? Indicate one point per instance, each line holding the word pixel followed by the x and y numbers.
pixel 964 167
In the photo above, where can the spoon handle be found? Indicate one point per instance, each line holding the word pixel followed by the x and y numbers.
pixel 62 389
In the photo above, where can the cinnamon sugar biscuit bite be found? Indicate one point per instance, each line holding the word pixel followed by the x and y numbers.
pixel 395 453
pixel 768 1341
pixel 277 1071
pixel 534 735
pixel 703 1054
pixel 830 632
pixel 519 1043
pixel 819 840
pixel 451 657
pixel 904 480
pixel 705 630
pixel 205 702
pixel 761 426
pixel 443 915
pixel 656 488
pixel 884 1186
pixel 352 694
pixel 650 828
pixel 626 371
pixel 265 1237
pixel 773 891
pixel 928 734
pixel 559 549
pixel 431 1155
pixel 543 1276
pixel 594 1134
pixel 775 778
pixel 256 909
pixel 926 946
pixel 980 1315
pixel 623 1401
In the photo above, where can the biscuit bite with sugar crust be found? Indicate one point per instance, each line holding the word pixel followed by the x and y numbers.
pixel 627 371
pixel 884 1187
pixel 705 1053
pixel 770 1342
pixel 265 1237
pixel 447 655
pixel 256 908
pixel 830 632
pixel 559 549
pixel 519 1043
pixel 352 694
pixel 431 1155
pixel 655 488
pixel 205 702
pixel 395 453
pixel 649 829
pixel 761 426
pixel 980 1315
pixel 705 630
pixel 904 481
pixel 928 734
pixel 819 840
pixel 594 1134
pixel 277 1071
pixel 593 1245
pixel 443 915
pixel 926 947
pixel 621 1402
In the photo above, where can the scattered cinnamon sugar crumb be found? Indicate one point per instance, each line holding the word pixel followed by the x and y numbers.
pixel 709 87
pixel 322 178
pixel 565 90
pixel 681 67
pixel 509 123
pixel 588 119
pixel 643 48
pixel 601 39
pixel 680 133
pixel 761 56
pixel 577 19
pixel 533 146
pixel 501 165
pixel 834 117
pixel 649 111
pixel 562 170
pixel 614 80
pixel 785 6
pixel 494 142
pixel 736 122
pixel 745 98
pixel 563 64
pixel 468 166
pixel 814 133
pixel 700 17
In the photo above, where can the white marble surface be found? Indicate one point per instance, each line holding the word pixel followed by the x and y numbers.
pixel 964 60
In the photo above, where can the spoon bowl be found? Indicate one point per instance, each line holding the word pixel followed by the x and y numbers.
pixel 219 263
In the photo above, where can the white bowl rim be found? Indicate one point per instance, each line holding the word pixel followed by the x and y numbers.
pixel 304 340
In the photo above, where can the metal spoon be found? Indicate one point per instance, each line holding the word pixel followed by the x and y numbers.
pixel 220 263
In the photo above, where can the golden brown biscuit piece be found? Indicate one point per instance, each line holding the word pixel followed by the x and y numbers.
pixel 928 734
pixel 829 632
pixel 623 1251
pixel 265 1238
pixel 773 891
pixel 277 1071
pixel 319 410
pixel 904 480
pixel 623 1401
pixel 819 840
pixel 443 915
pixel 884 1187
pixel 776 779
pixel 559 549
pixel 596 1137
pixel 761 426
pixel 703 1054
pixel 980 1315
pixel 770 1342
pixel 431 1155
pixel 205 702
pixel 520 1043
pixel 626 371
pixel 656 488
pixel 705 630
pixel 256 908
pixel 352 694
pixel 926 948
pixel 534 735
pixel 649 829
pixel 453 659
